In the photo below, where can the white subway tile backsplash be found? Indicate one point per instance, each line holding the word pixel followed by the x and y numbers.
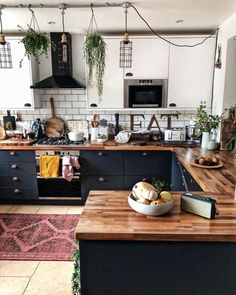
pixel 72 111
pixel 72 97
pixel 82 97
pixel 64 91
pixel 46 111
pixel 78 91
pixel 79 104
pixel 65 104
pixel 51 91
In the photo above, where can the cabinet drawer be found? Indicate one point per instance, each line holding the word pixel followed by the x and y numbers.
pixel 147 163
pixel 129 181
pixel 101 162
pixel 16 156
pixel 100 183
pixel 17 168
pixel 18 181
pixel 18 193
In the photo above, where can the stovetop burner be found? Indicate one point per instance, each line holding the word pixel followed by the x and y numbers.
pixel 60 141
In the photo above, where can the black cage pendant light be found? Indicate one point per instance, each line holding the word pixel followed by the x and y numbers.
pixel 126 44
pixel 5 48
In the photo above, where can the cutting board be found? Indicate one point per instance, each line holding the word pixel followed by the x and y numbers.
pixel 2 132
pixel 17 142
pixel 9 121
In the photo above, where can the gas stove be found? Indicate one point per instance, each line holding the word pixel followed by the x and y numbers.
pixel 60 141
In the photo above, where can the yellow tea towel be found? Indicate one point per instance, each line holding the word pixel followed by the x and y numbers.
pixel 49 166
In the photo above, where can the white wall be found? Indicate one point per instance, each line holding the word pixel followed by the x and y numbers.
pixel 227 31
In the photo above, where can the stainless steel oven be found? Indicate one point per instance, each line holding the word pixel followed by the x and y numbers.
pixel 145 93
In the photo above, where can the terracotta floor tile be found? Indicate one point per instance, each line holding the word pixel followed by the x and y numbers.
pixel 31 209
pixel 5 208
pixel 45 209
pixel 51 278
pixel 75 210
pixel 17 268
pixel 13 285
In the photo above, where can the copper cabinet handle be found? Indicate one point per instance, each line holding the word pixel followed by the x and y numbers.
pixel 13 166
pixel 102 179
pixel 16 191
pixel 100 154
pixel 145 154
pixel 15 178
pixel 12 153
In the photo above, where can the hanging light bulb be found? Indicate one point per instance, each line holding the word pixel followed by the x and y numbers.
pixel 64 41
pixel 5 48
pixel 126 44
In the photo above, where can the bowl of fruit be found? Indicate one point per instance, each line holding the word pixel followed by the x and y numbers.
pixel 209 162
pixel 145 199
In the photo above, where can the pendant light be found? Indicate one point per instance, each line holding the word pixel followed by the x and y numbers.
pixel 63 56
pixel 126 44
pixel 5 48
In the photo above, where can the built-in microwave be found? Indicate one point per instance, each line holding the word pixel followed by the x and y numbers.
pixel 145 93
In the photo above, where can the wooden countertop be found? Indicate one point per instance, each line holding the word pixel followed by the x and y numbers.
pixel 107 216
pixel 220 181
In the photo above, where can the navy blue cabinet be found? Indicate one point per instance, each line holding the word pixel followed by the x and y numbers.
pixel 18 176
pixel 181 179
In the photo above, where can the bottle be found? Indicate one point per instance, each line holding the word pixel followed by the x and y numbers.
pixel 37 129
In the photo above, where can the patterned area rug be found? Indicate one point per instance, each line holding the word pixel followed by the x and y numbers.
pixel 37 237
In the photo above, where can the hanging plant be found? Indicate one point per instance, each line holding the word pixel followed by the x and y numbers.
pixel 95 53
pixel 35 42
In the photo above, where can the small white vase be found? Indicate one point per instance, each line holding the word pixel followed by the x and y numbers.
pixel 205 139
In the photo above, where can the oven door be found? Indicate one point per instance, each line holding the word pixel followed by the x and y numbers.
pixel 145 93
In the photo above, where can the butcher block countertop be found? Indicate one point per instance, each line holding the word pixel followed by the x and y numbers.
pixel 220 180
pixel 107 216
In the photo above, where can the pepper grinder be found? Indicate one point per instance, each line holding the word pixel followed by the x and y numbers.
pixel 117 129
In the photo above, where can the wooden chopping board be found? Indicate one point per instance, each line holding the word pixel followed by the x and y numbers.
pixel 2 132
pixel 17 142
pixel 54 126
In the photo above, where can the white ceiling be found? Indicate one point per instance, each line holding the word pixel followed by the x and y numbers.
pixel 198 15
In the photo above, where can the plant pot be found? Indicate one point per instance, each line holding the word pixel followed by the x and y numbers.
pixel 205 139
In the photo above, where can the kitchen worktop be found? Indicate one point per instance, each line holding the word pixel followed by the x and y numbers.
pixel 107 216
pixel 220 180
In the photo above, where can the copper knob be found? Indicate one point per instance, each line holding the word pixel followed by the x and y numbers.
pixel 12 153
pixel 13 166
pixel 16 191
pixel 102 179
pixel 15 178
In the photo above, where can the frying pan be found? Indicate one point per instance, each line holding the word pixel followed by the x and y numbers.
pixel 54 126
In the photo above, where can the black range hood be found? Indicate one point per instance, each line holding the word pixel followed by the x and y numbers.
pixel 61 72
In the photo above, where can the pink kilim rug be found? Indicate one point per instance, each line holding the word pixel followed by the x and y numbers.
pixel 37 237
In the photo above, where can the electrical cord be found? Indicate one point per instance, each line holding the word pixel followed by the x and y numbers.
pixel 168 41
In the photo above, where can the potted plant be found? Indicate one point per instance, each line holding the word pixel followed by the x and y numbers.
pixel 35 43
pixel 95 53
pixel 206 123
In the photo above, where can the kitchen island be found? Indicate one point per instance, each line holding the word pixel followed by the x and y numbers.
pixel 124 252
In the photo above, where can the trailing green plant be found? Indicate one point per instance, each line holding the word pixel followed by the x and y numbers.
pixel 35 43
pixel 204 121
pixel 95 54
pixel 161 185
pixel 76 286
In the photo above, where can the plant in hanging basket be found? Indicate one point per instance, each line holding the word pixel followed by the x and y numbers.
pixel 95 53
pixel 35 43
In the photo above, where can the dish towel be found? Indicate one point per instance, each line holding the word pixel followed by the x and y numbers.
pixel 49 166
pixel 75 161
pixel 67 170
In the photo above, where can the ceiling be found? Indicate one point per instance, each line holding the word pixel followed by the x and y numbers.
pixel 199 16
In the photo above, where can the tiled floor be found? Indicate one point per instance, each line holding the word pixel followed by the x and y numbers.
pixel 36 277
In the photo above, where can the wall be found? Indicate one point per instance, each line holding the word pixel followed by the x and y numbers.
pixel 227 31
pixel 71 104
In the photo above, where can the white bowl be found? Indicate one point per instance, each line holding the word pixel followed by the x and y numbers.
pixel 101 139
pixel 150 209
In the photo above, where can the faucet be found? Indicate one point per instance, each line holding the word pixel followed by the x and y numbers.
pixel 169 118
